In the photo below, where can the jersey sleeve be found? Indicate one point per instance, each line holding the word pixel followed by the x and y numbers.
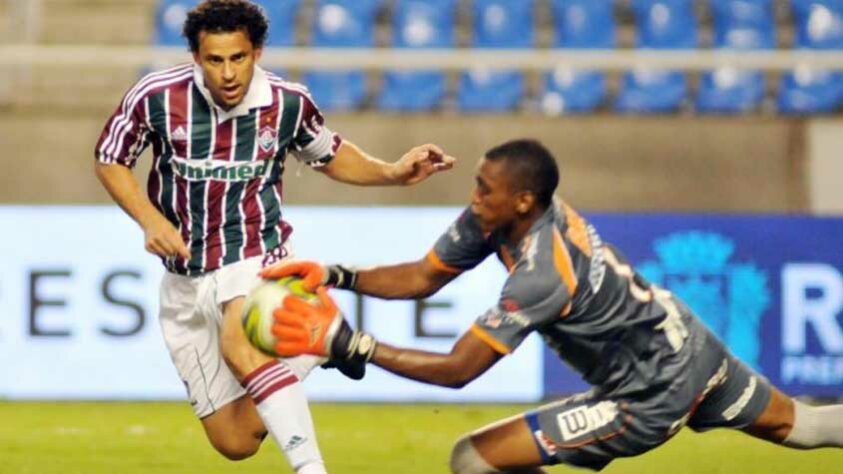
pixel 534 295
pixel 123 138
pixel 313 143
pixel 462 247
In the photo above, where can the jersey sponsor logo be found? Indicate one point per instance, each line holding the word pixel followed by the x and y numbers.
pixel 267 138
pixel 583 420
pixel 218 170
pixel 730 297
pixel 736 408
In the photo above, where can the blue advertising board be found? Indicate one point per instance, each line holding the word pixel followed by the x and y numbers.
pixel 770 287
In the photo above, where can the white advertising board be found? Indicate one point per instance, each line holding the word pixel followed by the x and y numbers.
pixel 80 297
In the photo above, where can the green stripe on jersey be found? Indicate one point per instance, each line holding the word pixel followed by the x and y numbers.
pixel 233 225
pixel 201 136
pixel 158 119
pixel 292 104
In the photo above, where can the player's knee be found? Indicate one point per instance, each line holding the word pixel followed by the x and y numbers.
pixel 236 448
pixel 466 460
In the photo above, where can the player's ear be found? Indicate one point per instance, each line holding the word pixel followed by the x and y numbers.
pixel 525 202
pixel 258 53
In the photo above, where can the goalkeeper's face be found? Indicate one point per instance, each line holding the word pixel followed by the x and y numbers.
pixel 493 200
pixel 228 62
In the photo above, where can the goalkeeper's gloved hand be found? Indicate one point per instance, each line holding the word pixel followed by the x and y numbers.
pixel 304 328
pixel 313 274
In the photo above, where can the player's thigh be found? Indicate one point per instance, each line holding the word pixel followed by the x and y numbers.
pixel 740 399
pixel 192 337
pixel 235 429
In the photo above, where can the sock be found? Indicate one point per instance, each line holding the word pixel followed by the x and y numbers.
pixel 816 427
pixel 282 405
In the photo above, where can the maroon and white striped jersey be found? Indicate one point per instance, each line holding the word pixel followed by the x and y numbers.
pixel 216 174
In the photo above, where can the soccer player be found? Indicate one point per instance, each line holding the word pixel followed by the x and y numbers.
pixel 221 129
pixel 654 367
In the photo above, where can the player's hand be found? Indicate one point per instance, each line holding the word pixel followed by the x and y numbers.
pixel 313 274
pixel 421 162
pixel 161 238
pixel 304 328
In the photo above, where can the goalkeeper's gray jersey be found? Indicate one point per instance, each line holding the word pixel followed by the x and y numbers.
pixel 590 306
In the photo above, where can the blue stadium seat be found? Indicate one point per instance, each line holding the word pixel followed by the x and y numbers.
pixel 662 24
pixel 582 24
pixel 341 24
pixel 169 19
pixel 740 25
pixel 819 25
pixel 418 24
pixel 282 21
pixel 170 16
pixel 497 24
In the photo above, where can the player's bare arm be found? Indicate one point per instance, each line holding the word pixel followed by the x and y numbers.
pixel 352 165
pixel 160 236
pixel 469 358
pixel 409 280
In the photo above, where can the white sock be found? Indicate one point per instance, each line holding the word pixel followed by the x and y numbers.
pixel 816 427
pixel 282 405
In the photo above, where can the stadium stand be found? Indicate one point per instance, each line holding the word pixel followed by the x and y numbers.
pixel 662 24
pixel 581 24
pixel 818 25
pixel 418 24
pixel 740 25
pixel 497 24
pixel 342 24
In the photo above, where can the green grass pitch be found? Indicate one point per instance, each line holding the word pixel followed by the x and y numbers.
pixel 129 438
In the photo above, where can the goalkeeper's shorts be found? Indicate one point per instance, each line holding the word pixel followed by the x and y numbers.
pixel 592 428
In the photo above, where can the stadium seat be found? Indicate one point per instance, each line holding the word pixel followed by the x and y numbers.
pixel 662 24
pixel 739 25
pixel 583 24
pixel 818 25
pixel 169 19
pixel 341 24
pixel 497 24
pixel 171 14
pixel 418 24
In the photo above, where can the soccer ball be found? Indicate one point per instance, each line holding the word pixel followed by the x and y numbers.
pixel 261 302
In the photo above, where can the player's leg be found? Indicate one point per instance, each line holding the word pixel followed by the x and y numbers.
pixel 274 387
pixel 507 446
pixel 798 425
pixel 746 401
pixel 228 415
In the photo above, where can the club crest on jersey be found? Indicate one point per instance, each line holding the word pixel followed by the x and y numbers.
pixel 266 138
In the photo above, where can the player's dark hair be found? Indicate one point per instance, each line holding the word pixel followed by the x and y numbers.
pixel 532 167
pixel 226 16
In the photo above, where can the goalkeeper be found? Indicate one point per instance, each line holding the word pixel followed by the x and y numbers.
pixel 654 367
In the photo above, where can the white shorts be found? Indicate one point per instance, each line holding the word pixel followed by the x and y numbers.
pixel 191 315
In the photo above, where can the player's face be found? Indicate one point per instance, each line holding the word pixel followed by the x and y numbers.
pixel 492 200
pixel 228 63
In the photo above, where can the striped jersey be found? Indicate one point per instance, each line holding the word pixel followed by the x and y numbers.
pixel 216 174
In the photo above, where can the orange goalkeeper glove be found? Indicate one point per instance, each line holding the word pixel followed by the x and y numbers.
pixel 313 274
pixel 304 328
